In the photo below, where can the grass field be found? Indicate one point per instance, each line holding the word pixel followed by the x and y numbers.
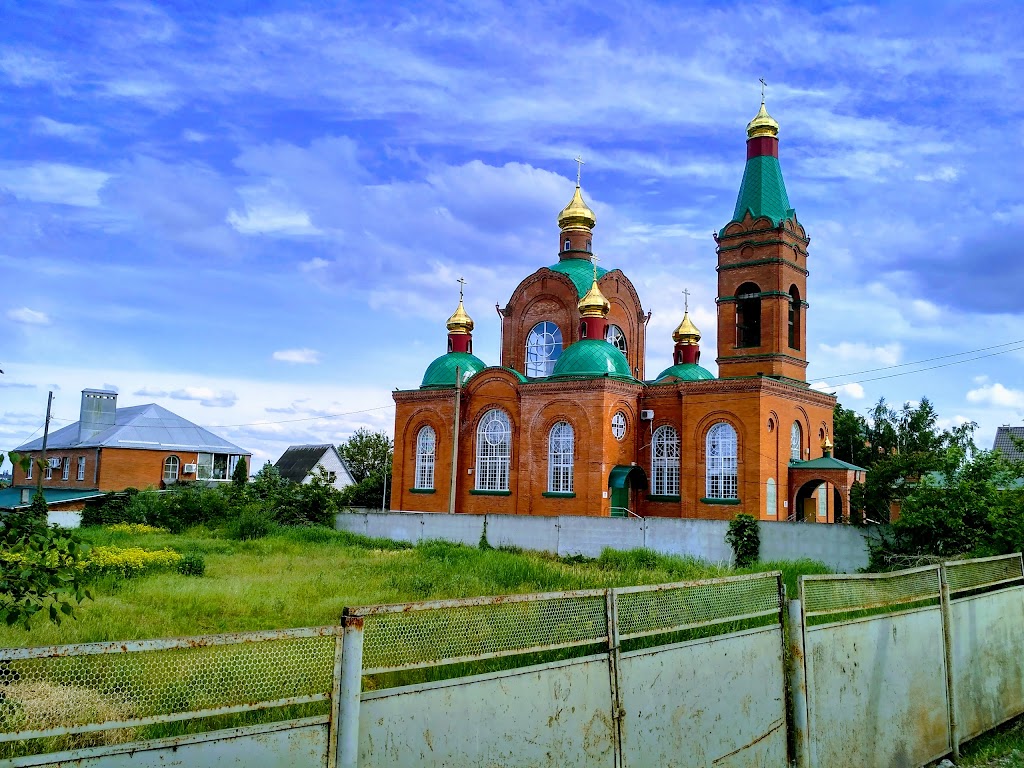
pixel 305 576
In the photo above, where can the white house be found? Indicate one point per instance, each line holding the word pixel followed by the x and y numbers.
pixel 301 462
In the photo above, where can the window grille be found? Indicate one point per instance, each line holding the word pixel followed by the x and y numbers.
pixel 619 425
pixel 796 440
pixel 616 338
pixel 721 462
pixel 493 451
pixel 560 458
pixel 171 469
pixel 665 462
pixel 426 441
pixel 543 348
pixel 81 467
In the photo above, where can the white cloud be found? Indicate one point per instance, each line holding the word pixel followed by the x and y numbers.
pixel 55 183
pixel 270 210
pixel 853 390
pixel 945 173
pixel 859 353
pixel 997 395
pixel 196 137
pixel 205 396
pixel 28 316
pixel 314 264
pixel 308 356
pixel 70 131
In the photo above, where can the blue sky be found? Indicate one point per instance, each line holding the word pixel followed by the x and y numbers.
pixel 254 214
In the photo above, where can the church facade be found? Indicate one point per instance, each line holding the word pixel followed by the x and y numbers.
pixel 570 424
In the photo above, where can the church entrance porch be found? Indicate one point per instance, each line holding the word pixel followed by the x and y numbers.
pixel 624 482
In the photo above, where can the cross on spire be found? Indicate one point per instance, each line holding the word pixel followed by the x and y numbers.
pixel 686 300
pixel 579 168
pixel 593 260
pixel 462 284
pixel 763 85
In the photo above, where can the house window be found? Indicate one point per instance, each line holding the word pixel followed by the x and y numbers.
pixel 28 472
pixel 49 470
pixel 748 315
pixel 543 348
pixel 771 498
pixel 796 440
pixel 66 469
pixel 619 425
pixel 721 462
pixel 665 462
pixel 568 245
pixel 560 453
pixel 216 466
pixel 81 467
pixel 616 338
pixel 171 465
pixel 426 442
pixel 794 317
pixel 493 451
pixel 332 477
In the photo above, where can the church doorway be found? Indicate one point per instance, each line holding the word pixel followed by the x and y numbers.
pixel 818 501
pixel 624 483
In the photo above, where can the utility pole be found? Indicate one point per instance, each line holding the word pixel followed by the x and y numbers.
pixel 46 435
pixel 455 440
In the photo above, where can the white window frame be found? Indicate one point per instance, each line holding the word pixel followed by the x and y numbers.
pixel 568 245
pixel 65 470
pixel 615 336
pixel 619 425
pixel 665 457
pixel 49 471
pixel 426 451
pixel 542 354
pixel 823 500
pixel 493 451
pixel 168 462
pixel 771 498
pixel 796 442
pixel 561 446
pixel 81 467
pixel 31 466
pixel 721 467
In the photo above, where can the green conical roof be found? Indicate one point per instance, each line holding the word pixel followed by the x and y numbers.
pixel 763 192
pixel 580 271
pixel 685 372
pixel 591 358
pixel 441 372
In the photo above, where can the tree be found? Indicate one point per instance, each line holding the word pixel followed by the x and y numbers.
pixel 367 453
pixel 241 474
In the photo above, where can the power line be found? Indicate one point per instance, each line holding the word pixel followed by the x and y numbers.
pixel 929 359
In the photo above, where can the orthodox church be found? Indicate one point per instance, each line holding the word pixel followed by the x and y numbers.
pixel 569 423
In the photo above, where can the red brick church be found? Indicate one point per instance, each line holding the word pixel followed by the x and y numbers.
pixel 570 424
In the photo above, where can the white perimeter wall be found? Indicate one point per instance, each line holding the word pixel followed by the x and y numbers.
pixel 841 547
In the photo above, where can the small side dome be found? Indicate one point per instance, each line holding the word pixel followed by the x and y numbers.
pixel 441 372
pixel 460 322
pixel 577 214
pixel 685 372
pixel 686 332
pixel 591 358
pixel 594 304
pixel 763 124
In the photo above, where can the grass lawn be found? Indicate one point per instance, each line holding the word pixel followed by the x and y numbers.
pixel 1002 748
pixel 304 577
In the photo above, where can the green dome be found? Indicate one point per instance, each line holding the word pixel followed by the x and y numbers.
pixel 685 372
pixel 592 358
pixel 580 271
pixel 441 372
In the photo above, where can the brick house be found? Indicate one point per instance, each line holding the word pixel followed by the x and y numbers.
pixel 141 446
pixel 569 424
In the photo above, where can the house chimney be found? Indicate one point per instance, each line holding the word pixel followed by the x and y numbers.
pixel 98 412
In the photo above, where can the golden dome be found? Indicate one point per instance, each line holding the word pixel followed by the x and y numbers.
pixel 826 444
pixel 687 332
pixel 460 322
pixel 594 304
pixel 763 124
pixel 576 213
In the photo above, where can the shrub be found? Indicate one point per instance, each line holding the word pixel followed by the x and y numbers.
pixel 253 522
pixel 112 508
pixel 135 528
pixel 127 562
pixel 313 503
pixel 745 539
pixel 192 564
pixel 188 504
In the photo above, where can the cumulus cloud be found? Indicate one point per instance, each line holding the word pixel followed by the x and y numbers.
pixel 997 395
pixel 46 126
pixel 859 353
pixel 205 396
pixel 55 183
pixel 852 390
pixel 304 355
pixel 28 316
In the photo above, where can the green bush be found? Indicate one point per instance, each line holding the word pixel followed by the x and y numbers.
pixel 313 503
pixel 745 539
pixel 253 522
pixel 192 564
pixel 112 508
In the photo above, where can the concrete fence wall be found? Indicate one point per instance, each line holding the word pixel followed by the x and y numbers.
pixel 842 548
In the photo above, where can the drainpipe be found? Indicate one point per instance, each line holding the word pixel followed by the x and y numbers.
pixel 455 441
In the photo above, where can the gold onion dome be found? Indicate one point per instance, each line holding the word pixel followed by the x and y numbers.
pixel 460 322
pixel 826 444
pixel 594 304
pixel 763 124
pixel 577 213
pixel 687 332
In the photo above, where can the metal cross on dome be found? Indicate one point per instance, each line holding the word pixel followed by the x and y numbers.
pixel 763 85
pixel 593 260
pixel 579 168
pixel 686 299
pixel 462 284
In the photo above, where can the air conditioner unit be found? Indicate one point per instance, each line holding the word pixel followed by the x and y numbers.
pixel 188 469
pixel 56 462
pixel 646 415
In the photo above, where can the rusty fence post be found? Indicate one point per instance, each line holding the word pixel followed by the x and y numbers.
pixel 332 734
pixel 350 687
pixel 618 713
pixel 947 645
pixel 797 675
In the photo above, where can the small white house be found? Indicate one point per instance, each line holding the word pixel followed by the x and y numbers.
pixel 301 462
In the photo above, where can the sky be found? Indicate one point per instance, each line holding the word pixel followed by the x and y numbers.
pixel 255 214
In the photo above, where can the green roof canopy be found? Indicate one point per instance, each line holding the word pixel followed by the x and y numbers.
pixel 763 192
pixel 620 474
pixel 592 358
pixel 685 372
pixel 580 271
pixel 825 462
pixel 441 372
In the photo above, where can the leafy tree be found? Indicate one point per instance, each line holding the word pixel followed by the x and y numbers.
pixel 367 453
pixel 241 474
pixel 312 503
pixel 745 539
pixel 267 483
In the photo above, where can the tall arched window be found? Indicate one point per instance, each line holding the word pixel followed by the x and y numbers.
pixel 796 441
pixel 426 441
pixel 616 338
pixel 748 315
pixel 560 453
pixel 771 498
pixel 721 462
pixel 543 348
pixel 171 465
pixel 493 451
pixel 665 462
pixel 794 317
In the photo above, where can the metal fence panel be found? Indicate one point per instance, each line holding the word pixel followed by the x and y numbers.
pixel 988 665
pixel 557 714
pixel 876 691
pixel 718 701
pixel 825 595
pixel 965 575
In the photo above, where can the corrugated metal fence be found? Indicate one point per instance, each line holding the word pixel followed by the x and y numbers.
pixel 886 670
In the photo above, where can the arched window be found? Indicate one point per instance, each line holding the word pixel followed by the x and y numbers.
pixel 568 245
pixel 794 317
pixel 616 338
pixel 721 462
pixel 748 315
pixel 171 465
pixel 771 498
pixel 665 462
pixel 796 441
pixel 426 442
pixel 560 450
pixel 543 348
pixel 619 425
pixel 493 451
